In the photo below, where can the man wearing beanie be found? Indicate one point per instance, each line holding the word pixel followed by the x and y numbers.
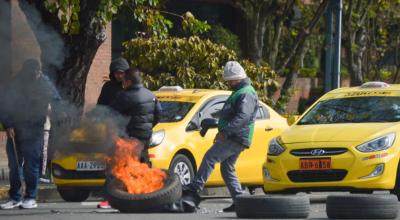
pixel 235 132
pixel 112 87
pixel 109 92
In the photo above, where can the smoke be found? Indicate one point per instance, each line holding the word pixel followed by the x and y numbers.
pixel 31 53
pixel 48 39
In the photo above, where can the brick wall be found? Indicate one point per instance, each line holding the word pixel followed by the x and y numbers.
pixel 98 71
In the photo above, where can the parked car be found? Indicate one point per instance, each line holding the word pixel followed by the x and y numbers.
pixel 348 140
pixel 177 144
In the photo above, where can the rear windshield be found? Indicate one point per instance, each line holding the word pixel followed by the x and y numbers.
pixel 354 110
pixel 173 111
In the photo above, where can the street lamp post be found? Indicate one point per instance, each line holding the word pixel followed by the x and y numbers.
pixel 333 38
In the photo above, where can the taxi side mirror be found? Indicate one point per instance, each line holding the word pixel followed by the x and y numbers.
pixel 207 124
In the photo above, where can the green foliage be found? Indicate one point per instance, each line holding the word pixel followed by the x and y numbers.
pixel 191 63
pixel 308 72
pixel 192 25
pixel 146 12
pixel 220 35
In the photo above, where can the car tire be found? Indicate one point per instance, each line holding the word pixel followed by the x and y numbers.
pixel 182 166
pixel 125 202
pixel 396 189
pixel 272 206
pixel 362 206
pixel 73 194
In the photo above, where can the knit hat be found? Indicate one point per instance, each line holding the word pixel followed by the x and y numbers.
pixel 119 64
pixel 234 71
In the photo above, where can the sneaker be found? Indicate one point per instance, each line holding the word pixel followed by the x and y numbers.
pixel 230 208
pixel 10 204
pixel 29 204
pixel 44 180
pixel 104 205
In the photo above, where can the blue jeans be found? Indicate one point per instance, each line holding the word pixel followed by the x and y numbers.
pixel 225 152
pixel 29 143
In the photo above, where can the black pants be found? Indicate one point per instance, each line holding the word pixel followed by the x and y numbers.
pixel 144 156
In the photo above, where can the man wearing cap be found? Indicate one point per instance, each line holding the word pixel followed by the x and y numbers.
pixel 112 87
pixel 235 132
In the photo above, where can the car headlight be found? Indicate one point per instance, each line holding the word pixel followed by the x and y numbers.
pixel 378 144
pixel 275 148
pixel 157 138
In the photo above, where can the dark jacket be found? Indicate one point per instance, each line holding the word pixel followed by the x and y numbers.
pixel 239 113
pixel 142 107
pixel 27 101
pixel 109 91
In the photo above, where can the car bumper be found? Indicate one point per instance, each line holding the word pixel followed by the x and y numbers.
pixel 64 171
pixel 350 173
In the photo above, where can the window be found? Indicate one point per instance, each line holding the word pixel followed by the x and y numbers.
pixel 262 113
pixel 354 110
pixel 212 111
pixel 174 111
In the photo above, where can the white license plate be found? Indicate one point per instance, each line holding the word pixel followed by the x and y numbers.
pixel 90 165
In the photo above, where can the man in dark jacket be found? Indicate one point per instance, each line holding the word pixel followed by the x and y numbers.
pixel 112 87
pixel 140 104
pixel 28 97
pixel 235 133
pixel 109 91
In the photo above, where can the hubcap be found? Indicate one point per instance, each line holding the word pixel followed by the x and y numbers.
pixel 182 169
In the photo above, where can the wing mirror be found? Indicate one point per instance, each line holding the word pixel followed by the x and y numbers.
pixel 207 124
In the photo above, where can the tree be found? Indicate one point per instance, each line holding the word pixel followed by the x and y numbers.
pixel 81 26
pixel 369 39
pixel 297 49
pixel 255 13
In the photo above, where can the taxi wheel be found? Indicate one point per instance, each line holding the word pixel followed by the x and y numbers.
pixel 396 189
pixel 73 194
pixel 182 166
pixel 272 206
pixel 362 206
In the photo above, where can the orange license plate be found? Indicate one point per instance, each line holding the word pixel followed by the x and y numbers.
pixel 315 163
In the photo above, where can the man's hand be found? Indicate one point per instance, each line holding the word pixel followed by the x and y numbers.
pixel 219 137
pixel 10 133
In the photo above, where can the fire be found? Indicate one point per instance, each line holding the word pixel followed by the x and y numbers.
pixel 138 177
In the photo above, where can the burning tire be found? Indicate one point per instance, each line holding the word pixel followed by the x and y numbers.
pixel 276 206
pixel 362 206
pixel 125 202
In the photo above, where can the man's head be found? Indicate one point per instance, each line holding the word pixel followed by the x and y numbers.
pixel 118 68
pixel 234 73
pixel 132 77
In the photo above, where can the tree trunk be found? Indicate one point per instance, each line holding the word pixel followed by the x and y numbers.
pixel 296 51
pixel 79 49
pixel 256 14
pixel 273 52
pixel 355 38
pixel 256 26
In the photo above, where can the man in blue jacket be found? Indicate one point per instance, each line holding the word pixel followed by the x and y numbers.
pixel 235 133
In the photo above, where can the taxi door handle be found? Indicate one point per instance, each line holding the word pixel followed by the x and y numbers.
pixel 269 129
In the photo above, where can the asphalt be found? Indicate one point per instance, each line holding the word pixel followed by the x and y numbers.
pixel 48 192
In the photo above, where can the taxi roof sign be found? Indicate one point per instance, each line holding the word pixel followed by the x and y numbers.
pixel 171 88
pixel 374 84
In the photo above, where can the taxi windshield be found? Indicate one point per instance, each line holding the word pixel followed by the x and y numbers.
pixel 173 111
pixel 354 110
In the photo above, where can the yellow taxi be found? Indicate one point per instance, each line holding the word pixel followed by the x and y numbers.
pixel 346 141
pixel 177 144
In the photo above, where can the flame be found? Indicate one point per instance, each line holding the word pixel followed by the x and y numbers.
pixel 138 177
